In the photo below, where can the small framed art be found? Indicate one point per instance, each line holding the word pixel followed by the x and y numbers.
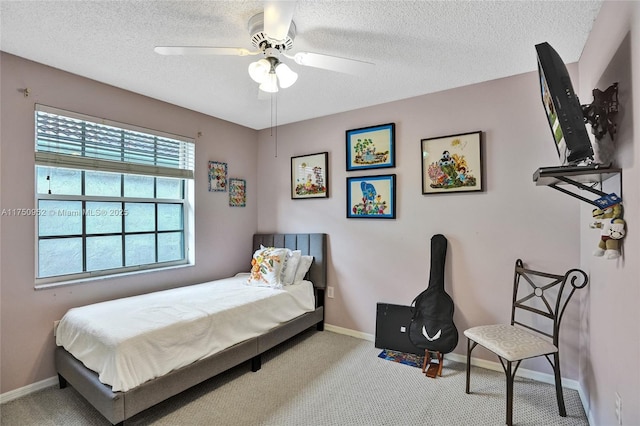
pixel 309 176
pixel 371 147
pixel 237 192
pixel 217 176
pixel 371 197
pixel 452 164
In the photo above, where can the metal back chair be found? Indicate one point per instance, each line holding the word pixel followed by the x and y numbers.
pixel 538 298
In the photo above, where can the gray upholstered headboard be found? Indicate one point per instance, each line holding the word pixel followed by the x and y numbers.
pixel 309 244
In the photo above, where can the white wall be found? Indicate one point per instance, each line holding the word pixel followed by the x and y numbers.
pixel 375 261
pixel 611 354
pixel 223 238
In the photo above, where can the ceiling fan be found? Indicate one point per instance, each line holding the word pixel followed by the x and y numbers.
pixel 272 34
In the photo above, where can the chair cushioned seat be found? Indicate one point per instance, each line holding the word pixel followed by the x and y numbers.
pixel 509 342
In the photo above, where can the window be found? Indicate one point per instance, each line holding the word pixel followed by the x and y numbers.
pixel 110 198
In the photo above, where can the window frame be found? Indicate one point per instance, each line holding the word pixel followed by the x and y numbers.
pixel 186 202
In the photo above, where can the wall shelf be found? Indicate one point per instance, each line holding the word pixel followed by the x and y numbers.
pixel 589 180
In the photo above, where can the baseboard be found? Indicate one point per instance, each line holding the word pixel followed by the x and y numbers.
pixel 586 405
pixel 26 390
pixel 349 332
pixel 489 365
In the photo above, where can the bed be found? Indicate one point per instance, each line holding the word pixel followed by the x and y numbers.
pixel 132 398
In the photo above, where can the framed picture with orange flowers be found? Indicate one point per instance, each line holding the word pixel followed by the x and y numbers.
pixel 217 176
pixel 371 197
pixel 452 164
pixel 309 176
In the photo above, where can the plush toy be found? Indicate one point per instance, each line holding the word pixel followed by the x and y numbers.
pixel 612 230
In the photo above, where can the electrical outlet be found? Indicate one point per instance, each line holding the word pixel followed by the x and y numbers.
pixel 619 408
pixel 330 292
pixel 55 327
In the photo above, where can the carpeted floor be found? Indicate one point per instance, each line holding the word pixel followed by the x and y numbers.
pixel 318 379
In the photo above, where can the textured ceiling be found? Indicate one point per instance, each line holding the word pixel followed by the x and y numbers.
pixel 418 47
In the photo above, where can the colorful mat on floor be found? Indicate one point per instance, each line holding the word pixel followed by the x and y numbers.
pixel 402 357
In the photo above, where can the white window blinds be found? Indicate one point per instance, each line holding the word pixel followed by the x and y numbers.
pixel 76 141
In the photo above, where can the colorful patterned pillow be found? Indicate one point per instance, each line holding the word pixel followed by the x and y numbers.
pixel 266 267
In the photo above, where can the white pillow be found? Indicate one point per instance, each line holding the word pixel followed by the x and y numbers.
pixel 266 267
pixel 303 268
pixel 288 273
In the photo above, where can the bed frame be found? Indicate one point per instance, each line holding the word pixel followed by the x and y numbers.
pixel 119 406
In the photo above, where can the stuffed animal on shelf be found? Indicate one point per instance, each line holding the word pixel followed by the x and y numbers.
pixel 612 230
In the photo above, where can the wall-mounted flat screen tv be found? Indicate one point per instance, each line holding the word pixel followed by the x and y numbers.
pixel 563 109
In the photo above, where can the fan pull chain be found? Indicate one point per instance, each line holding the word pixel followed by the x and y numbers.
pixel 274 113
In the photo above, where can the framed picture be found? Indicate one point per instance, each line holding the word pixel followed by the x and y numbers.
pixel 309 176
pixel 371 147
pixel 237 192
pixel 452 164
pixel 371 197
pixel 217 176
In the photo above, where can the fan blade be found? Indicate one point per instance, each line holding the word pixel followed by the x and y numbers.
pixel 332 63
pixel 203 50
pixel 277 18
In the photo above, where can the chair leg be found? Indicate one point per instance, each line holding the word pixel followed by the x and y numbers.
pixel 559 395
pixel 470 348
pixel 509 374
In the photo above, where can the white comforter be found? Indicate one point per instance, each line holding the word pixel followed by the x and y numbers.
pixel 132 340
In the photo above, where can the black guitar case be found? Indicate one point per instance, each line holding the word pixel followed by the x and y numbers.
pixel 432 324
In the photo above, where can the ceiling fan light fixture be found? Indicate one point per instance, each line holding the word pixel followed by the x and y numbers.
pixel 259 70
pixel 286 76
pixel 270 84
